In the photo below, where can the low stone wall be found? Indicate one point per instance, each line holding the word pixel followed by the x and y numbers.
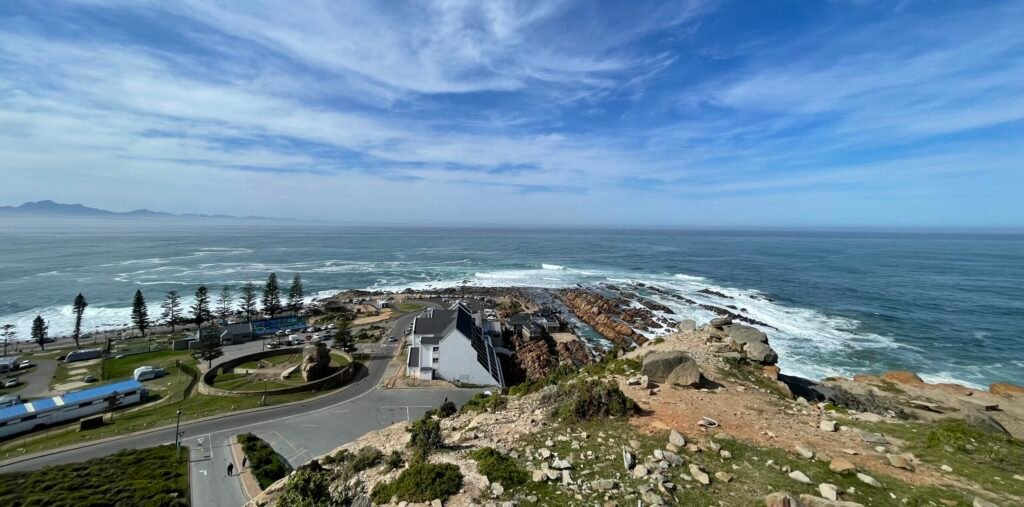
pixel 344 374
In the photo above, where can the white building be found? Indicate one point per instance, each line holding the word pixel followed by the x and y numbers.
pixel 447 344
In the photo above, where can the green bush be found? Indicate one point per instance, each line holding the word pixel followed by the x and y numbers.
pixel 560 373
pixel 421 482
pixel 266 464
pixel 498 467
pixel 426 436
pixel 483 402
pixel 308 488
pixel 367 457
pixel 394 461
pixel 340 457
pixel 582 401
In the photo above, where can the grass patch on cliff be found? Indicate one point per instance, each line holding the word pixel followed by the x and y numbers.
pixel 987 459
pixel 149 477
pixel 590 399
pixel 266 464
pixel 753 480
pixel 421 482
pixel 485 403
pixel 498 467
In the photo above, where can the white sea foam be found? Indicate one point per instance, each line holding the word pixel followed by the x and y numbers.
pixel 691 278
pixel 555 267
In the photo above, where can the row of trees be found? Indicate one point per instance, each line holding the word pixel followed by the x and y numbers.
pixel 173 313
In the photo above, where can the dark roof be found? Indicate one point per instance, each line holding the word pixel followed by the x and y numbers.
pixel 435 327
pixel 520 319
pixel 414 357
pixel 240 327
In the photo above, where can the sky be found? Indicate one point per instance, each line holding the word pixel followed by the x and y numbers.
pixel 838 113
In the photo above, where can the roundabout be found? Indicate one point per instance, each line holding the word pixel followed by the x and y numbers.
pixel 279 371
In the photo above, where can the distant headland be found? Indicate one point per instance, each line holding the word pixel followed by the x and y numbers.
pixel 55 209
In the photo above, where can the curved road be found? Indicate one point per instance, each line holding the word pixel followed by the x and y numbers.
pixel 298 431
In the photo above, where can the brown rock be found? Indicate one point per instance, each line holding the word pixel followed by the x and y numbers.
pixel 782 499
pixel 902 377
pixel 841 465
pixel 771 371
pixel 1005 389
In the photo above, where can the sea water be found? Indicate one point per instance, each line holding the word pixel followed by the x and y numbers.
pixel 948 306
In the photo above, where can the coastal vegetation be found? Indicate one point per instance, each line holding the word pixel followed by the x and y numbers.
pixel 151 477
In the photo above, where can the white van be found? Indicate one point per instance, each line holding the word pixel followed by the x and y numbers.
pixel 143 373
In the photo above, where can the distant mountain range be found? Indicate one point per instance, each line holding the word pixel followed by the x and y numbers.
pixel 56 209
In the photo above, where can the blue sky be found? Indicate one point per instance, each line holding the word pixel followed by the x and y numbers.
pixel 696 113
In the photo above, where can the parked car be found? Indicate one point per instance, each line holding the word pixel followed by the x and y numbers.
pixel 88 379
pixel 273 345
pixel 11 382
pixel 25 364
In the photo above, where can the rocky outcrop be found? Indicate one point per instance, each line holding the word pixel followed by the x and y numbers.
pixel 605 315
pixel 317 364
pixel 535 359
pixel 572 353
pixel 673 368
pixel 1004 389
pixel 747 340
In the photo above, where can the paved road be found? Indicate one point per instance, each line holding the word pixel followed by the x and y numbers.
pixel 299 432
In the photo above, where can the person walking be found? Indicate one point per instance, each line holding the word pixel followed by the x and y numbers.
pixel 245 461
pixel 231 468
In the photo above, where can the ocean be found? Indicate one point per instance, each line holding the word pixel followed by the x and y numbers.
pixel 947 306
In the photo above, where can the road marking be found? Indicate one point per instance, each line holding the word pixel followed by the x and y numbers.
pixel 310 426
pixel 203 471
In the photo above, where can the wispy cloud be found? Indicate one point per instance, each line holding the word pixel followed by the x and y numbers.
pixel 553 106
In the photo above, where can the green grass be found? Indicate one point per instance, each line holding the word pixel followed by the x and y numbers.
pixel 409 306
pixel 266 464
pixel 753 479
pixel 272 361
pixel 144 477
pixel 421 482
pixel 987 459
pixel 194 407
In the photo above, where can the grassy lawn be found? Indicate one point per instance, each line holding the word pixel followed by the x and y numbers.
pixel 409 306
pixel 168 390
pixel 288 359
pixel 151 477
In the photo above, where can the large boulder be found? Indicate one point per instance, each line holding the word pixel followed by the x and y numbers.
pixel 659 365
pixel 741 335
pixel 687 325
pixel 760 353
pixel 782 499
pixel 672 367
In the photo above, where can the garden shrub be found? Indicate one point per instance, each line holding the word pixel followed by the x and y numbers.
pixel 421 482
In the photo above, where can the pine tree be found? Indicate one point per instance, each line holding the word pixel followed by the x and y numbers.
pixel 272 296
pixel 248 301
pixel 295 294
pixel 140 313
pixel 8 333
pixel 343 335
pixel 201 308
pixel 79 308
pixel 172 308
pixel 39 328
pixel 209 349
pixel 224 303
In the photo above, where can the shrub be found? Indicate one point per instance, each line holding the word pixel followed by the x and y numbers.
pixel 267 465
pixel 560 373
pixel 498 467
pixel 421 482
pixel 338 458
pixel 367 457
pixel 582 401
pixel 483 402
pixel 426 436
pixel 308 488
pixel 394 461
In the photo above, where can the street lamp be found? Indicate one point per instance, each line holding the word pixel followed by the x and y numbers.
pixel 177 436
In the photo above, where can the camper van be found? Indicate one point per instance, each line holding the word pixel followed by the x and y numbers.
pixel 143 373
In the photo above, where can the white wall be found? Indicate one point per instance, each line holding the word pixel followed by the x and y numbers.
pixel 458 362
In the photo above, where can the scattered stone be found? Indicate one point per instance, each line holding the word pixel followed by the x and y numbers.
pixel 813 501
pixel 699 475
pixel 828 491
pixel 799 476
pixel 687 325
pixel 873 438
pixel 782 499
pixel 645 382
pixel 724 476
pixel 673 447
pixel 881 449
pixel 675 438
pixel 715 446
pixel 561 464
pixel 634 444
pixel 761 353
pixel 539 476
pixel 497 489
pixel 870 481
pixel 1019 477
pixel 804 452
pixel 640 471
pixel 544 453
pixel 725 454
pixel 979 502
pixel 603 485
pixel 652 498
pixel 566 478
pixel 851 452
pixel 900 461
pixel 673 458
pixel 827 425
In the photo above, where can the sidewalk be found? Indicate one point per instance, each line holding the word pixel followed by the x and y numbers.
pixel 250 486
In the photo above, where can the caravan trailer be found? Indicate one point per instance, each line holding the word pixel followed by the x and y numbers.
pixel 41 413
